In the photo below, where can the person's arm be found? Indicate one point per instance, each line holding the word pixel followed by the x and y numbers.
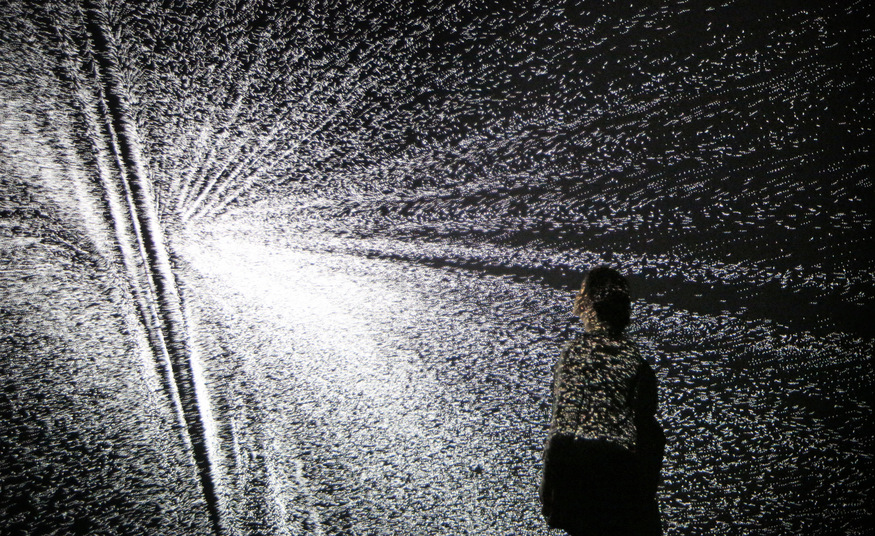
pixel 554 384
pixel 651 439
pixel 545 492
pixel 647 394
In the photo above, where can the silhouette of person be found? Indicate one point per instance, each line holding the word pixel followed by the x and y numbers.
pixel 604 452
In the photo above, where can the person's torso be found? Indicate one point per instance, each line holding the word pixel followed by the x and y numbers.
pixel 593 391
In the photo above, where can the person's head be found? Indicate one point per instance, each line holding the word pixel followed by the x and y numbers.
pixel 603 301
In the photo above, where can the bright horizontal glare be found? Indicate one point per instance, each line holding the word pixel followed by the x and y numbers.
pixel 347 323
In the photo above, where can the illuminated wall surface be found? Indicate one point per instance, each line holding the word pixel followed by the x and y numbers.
pixel 306 270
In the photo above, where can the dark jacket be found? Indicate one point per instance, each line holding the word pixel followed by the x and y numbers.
pixel 604 452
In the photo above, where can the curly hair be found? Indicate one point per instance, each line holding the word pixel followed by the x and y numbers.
pixel 604 299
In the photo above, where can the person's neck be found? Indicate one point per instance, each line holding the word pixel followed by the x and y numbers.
pixel 594 326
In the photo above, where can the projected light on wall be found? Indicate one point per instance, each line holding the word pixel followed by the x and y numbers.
pixel 306 269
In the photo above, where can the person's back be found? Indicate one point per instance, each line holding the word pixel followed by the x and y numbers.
pixel 603 456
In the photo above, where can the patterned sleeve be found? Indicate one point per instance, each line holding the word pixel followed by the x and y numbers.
pixel 557 371
pixel 651 438
pixel 646 393
pixel 545 491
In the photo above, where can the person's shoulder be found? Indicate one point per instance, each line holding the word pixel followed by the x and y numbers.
pixel 633 350
pixel 582 342
pixel 616 348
